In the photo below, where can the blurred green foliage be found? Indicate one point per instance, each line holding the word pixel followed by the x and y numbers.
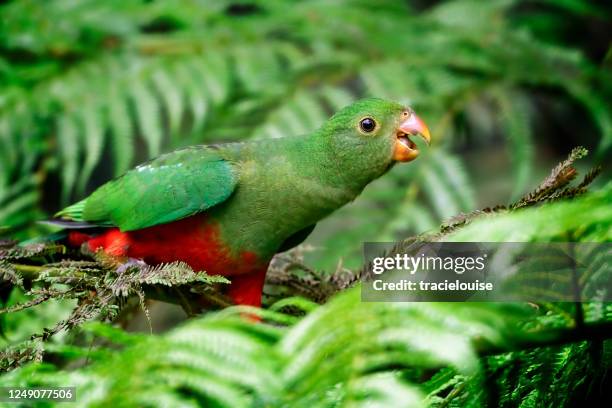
pixel 91 88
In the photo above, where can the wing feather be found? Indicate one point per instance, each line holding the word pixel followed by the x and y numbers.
pixel 166 189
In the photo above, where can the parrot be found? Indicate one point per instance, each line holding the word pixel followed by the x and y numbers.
pixel 227 209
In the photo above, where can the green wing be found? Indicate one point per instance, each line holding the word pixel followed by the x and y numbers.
pixel 168 188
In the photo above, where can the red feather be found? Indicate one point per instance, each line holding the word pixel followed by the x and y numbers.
pixel 194 240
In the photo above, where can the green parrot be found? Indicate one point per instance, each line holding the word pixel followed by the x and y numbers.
pixel 228 209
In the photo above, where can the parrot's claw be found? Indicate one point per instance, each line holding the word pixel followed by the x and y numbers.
pixel 130 263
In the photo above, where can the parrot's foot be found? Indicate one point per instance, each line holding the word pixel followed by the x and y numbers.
pixel 130 263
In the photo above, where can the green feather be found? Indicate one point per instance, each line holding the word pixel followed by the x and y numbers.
pixel 171 187
pixel 73 212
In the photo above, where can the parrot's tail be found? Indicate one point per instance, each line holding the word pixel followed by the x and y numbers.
pixel 72 233
pixel 58 236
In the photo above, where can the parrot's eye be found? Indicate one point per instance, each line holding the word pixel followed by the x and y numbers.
pixel 367 124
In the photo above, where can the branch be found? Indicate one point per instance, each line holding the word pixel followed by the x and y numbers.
pixel 320 286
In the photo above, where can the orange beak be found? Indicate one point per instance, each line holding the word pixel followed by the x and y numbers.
pixel 406 150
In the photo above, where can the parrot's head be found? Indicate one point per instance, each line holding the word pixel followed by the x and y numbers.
pixel 373 134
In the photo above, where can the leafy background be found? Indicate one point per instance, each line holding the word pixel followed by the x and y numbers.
pixel 507 87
